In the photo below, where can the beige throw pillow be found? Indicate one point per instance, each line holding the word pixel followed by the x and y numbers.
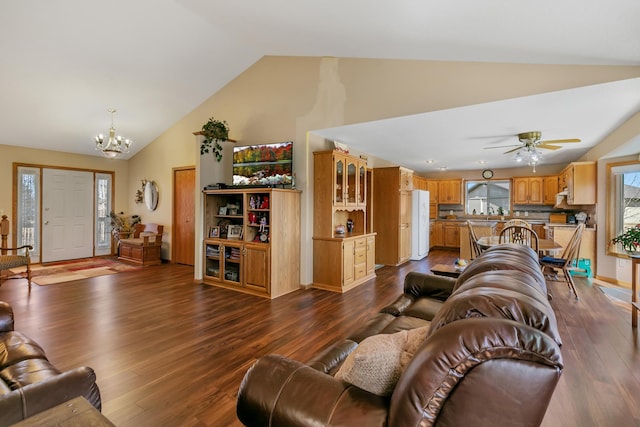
pixel 379 360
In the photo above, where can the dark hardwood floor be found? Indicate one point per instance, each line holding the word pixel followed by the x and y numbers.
pixel 171 352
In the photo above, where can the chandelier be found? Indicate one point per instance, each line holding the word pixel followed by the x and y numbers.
pixel 115 145
pixel 529 154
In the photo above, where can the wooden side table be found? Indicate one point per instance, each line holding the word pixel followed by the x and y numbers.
pixel 75 413
pixel 634 292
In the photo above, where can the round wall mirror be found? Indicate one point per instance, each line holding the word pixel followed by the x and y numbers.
pixel 151 195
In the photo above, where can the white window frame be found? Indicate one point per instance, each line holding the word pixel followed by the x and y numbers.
pixel 615 203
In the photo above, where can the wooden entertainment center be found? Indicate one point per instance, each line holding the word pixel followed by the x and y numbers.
pixel 252 240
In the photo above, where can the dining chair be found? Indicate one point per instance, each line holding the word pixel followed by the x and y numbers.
pixel 476 250
pixel 519 234
pixel 568 261
pixel 515 221
pixel 11 257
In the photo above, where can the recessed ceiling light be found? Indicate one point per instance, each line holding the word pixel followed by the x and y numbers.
pixel 429 161
pixel 443 168
pixel 482 162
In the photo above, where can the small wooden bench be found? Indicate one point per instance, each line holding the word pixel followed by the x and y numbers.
pixel 144 248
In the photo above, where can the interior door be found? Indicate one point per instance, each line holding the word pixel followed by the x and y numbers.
pixel 67 214
pixel 183 241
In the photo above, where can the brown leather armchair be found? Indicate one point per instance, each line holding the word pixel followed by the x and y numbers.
pixel 29 383
pixel 491 357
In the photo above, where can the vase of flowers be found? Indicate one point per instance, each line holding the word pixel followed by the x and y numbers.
pixel 123 225
pixel 629 240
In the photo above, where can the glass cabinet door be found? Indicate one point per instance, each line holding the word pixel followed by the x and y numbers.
pixel 352 176
pixel 362 185
pixel 339 184
pixel 213 265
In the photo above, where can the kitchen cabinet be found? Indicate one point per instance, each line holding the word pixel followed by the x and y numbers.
pixel 578 179
pixel 451 234
pixel 450 191
pixel 550 189
pixel 243 229
pixel 392 214
pixel 432 188
pixel 528 190
pixel 436 232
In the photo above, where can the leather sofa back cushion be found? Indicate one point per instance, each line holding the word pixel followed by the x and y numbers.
pixel 378 361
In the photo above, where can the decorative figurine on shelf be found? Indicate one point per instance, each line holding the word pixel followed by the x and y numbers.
pixel 263 224
pixel 265 203
pixel 252 202
pixel 252 218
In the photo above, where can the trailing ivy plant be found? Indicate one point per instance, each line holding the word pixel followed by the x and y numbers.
pixel 214 131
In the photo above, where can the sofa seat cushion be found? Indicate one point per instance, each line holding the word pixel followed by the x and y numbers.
pixel 403 323
pixel 19 347
pixel 378 361
pixel 27 372
pixel 423 308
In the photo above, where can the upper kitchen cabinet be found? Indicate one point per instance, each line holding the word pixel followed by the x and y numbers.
pixel 450 191
pixel 578 180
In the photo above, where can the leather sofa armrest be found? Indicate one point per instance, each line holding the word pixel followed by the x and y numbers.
pixel 58 389
pixel 428 285
pixel 6 317
pixel 281 392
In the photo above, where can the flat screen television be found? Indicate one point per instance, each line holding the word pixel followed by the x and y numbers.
pixel 263 164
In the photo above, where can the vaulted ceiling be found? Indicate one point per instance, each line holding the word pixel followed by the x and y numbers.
pixel 65 63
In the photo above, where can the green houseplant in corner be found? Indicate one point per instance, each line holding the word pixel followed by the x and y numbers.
pixel 629 240
pixel 214 131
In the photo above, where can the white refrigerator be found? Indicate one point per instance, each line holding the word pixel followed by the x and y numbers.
pixel 419 224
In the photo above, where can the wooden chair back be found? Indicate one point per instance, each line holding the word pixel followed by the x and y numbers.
pixel 521 235
pixel 473 242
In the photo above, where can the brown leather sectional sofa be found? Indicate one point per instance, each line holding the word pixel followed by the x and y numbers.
pixel 29 383
pixel 490 356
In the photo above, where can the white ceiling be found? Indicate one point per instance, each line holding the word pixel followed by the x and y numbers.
pixel 65 63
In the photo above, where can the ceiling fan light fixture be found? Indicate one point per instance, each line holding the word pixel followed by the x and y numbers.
pixel 518 157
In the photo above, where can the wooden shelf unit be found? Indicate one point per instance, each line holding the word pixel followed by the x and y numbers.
pixel 341 261
pixel 264 257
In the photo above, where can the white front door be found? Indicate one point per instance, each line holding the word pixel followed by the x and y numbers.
pixel 67 214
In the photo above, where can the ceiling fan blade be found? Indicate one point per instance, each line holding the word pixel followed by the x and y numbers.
pixel 511 151
pixel 559 141
pixel 503 146
pixel 548 147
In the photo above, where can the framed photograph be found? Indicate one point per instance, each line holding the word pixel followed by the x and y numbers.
pixel 214 232
pixel 223 210
pixel 234 232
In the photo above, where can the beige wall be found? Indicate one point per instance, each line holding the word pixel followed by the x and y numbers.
pixel 284 98
pixel 11 154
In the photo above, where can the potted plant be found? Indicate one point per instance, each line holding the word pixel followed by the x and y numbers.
pixel 214 131
pixel 629 240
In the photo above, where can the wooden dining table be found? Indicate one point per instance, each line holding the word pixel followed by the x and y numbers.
pixel 544 245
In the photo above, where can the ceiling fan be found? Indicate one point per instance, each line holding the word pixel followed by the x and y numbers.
pixel 530 143
pixel 531 140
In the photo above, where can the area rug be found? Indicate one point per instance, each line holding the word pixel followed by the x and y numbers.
pixel 67 271
pixel 616 294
